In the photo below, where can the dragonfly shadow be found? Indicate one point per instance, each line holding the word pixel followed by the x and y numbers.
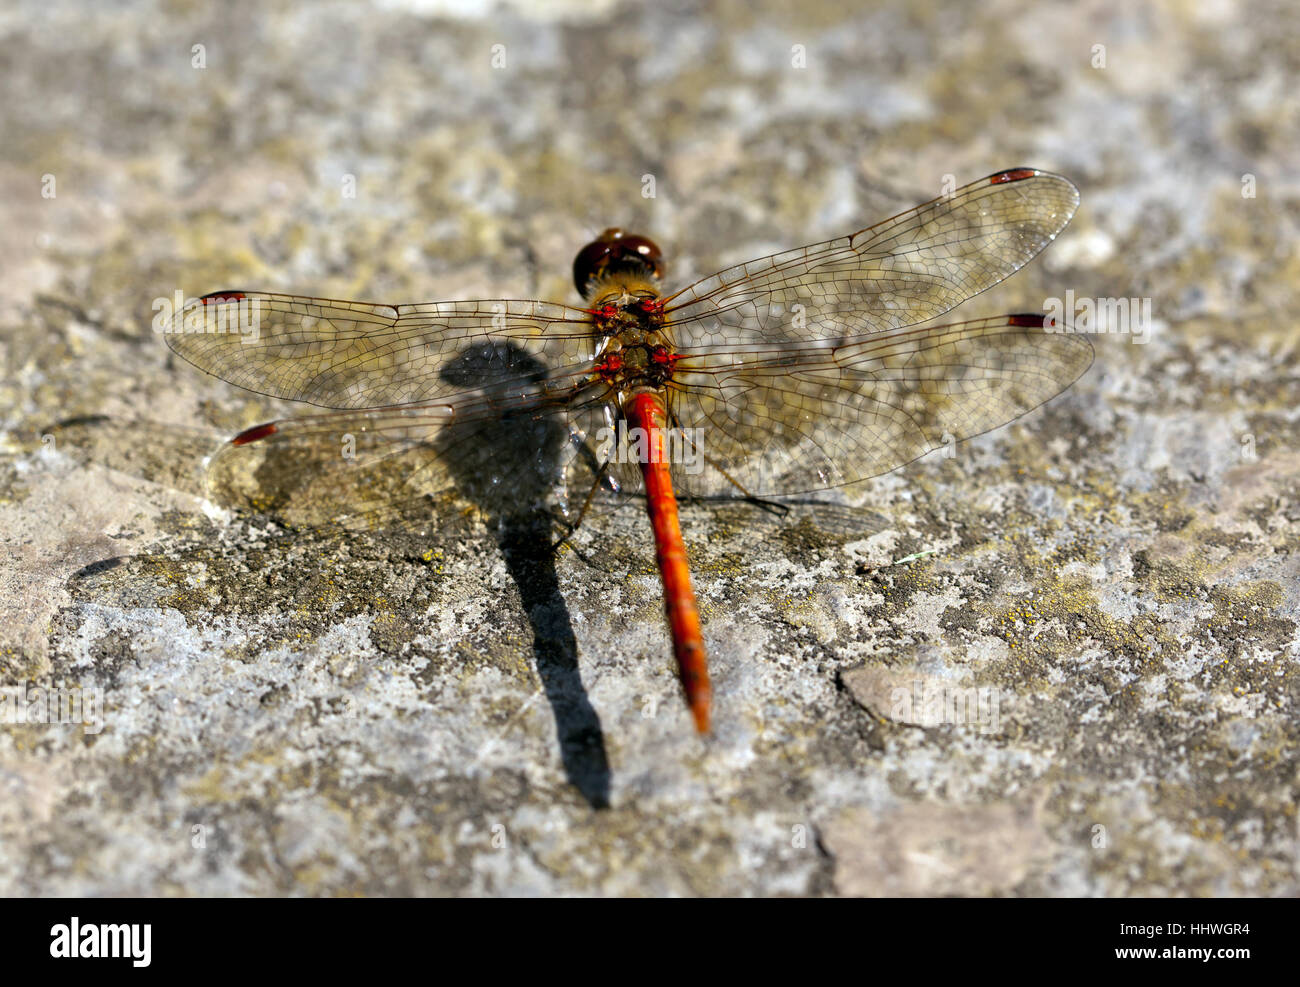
pixel 504 465
pixel 507 465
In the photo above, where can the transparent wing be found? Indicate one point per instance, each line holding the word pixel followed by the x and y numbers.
pixel 798 369
pixel 467 395
pixel 902 272
pixel 795 417
pixel 341 354
pixel 389 467
pixel 766 420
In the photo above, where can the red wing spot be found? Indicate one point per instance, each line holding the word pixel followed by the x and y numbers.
pixel 1029 320
pixel 253 434
pixel 1013 175
pixel 222 297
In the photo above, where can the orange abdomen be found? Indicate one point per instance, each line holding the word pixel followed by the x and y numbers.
pixel 646 411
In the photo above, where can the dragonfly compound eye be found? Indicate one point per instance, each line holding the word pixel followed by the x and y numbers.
pixel 616 250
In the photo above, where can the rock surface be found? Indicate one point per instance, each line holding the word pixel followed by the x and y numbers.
pixel 1099 602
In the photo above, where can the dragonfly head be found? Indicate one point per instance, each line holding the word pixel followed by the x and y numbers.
pixel 616 252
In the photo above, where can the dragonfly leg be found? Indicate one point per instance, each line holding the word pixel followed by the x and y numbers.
pixel 767 505
pixel 591 494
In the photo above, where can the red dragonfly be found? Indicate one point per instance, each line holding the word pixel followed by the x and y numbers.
pixel 795 372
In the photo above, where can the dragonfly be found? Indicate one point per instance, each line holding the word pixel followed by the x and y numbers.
pixel 804 370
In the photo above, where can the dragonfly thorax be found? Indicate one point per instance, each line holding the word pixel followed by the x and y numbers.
pixel 646 361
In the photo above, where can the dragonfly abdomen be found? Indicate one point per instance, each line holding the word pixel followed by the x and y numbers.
pixel 645 410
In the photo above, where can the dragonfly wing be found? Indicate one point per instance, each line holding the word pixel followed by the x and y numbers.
pixel 804 416
pixel 904 271
pixel 386 467
pixel 355 471
pixel 350 355
pixel 471 396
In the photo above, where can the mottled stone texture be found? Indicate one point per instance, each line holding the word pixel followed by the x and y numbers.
pixel 458 711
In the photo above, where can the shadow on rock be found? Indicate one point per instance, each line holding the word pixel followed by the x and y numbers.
pixel 506 462
pixel 503 459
